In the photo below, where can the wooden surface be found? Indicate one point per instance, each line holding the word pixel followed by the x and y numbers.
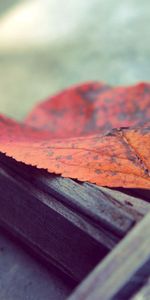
pixel 53 216
pixel 69 224
pixel 123 271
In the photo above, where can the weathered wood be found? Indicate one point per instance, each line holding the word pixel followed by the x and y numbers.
pixel 138 193
pixel 62 220
pixel 129 200
pixel 124 270
pixel 50 229
pixel 83 198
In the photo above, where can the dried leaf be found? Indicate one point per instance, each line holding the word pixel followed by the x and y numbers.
pixel 67 135
pixel 92 108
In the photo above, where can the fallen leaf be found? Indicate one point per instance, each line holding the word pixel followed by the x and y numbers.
pixel 92 108
pixel 71 134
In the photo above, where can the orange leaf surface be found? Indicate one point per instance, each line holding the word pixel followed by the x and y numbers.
pixel 71 134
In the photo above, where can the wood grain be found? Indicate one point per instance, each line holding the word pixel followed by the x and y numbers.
pixel 124 270
pixel 63 221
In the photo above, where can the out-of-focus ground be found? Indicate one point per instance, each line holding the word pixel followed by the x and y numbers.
pixel 47 45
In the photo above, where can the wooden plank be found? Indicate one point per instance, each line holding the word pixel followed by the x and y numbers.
pixel 55 227
pixel 85 199
pixel 138 193
pixel 52 230
pixel 129 200
pixel 123 271
pixel 53 216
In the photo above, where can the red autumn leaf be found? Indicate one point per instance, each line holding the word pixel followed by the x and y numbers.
pixel 92 108
pixel 67 135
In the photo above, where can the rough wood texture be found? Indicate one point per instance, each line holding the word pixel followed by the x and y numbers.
pixel 124 270
pixel 62 220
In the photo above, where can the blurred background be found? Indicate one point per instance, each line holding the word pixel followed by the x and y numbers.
pixel 47 45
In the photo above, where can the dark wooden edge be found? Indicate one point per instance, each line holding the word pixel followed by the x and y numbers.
pixel 123 271
pixel 143 293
